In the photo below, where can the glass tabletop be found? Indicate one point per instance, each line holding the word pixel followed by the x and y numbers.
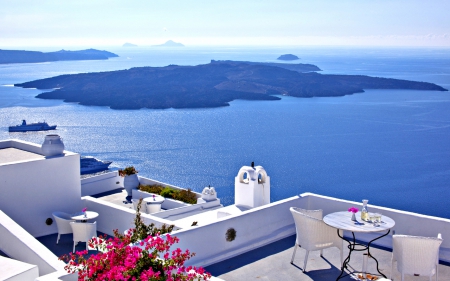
pixel 342 220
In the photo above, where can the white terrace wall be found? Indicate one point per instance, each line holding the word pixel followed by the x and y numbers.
pixel 254 228
pixel 266 224
pixel 23 145
pixel 18 244
pixel 101 183
pixel 111 181
pixel 112 216
pixel 170 213
pixel 167 204
pixel 405 222
pixel 31 190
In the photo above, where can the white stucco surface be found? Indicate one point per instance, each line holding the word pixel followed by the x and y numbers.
pixel 112 216
pixel 101 183
pixel 11 155
pixel 18 244
pixel 13 270
pixel 34 188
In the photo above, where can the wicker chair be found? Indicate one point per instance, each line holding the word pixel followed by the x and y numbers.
pixel 313 234
pixel 83 232
pixel 416 255
pixel 62 223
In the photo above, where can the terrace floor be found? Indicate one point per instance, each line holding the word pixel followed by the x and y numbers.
pixel 65 244
pixel 117 196
pixel 272 262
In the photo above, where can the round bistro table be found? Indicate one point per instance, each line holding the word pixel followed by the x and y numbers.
pixel 83 217
pixel 154 203
pixel 342 221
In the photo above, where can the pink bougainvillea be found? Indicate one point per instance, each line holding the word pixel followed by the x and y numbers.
pixel 121 259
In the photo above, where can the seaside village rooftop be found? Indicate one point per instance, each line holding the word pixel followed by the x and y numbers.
pixel 253 239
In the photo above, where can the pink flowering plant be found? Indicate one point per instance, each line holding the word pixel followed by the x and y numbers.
pixel 84 210
pixel 123 257
pixel 353 210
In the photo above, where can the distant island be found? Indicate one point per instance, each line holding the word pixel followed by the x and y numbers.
pixel 169 43
pixel 13 56
pixel 129 45
pixel 209 85
pixel 299 67
pixel 288 57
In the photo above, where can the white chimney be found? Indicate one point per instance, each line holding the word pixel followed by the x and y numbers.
pixel 252 187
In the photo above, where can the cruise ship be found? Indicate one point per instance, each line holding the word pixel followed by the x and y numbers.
pixel 89 164
pixel 263 232
pixel 24 127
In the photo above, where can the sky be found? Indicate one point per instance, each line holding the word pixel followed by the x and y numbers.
pixel 47 23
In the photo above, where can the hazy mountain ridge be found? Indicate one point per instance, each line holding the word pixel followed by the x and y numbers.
pixel 169 43
pixel 19 56
pixel 208 85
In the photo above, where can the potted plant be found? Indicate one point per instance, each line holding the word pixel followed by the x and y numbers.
pixel 130 179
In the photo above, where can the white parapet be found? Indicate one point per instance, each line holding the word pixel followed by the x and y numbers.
pixel 252 187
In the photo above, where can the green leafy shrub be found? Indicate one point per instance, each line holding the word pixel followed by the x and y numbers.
pixel 153 188
pixel 169 192
pixel 183 195
pixel 186 196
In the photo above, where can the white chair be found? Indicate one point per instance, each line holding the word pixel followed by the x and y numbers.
pixel 83 232
pixel 416 255
pixel 62 223
pixel 143 205
pixel 313 234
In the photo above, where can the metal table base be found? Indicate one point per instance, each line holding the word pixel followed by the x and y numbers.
pixel 352 247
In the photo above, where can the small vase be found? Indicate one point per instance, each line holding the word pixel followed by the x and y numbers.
pixel 85 215
pixel 353 217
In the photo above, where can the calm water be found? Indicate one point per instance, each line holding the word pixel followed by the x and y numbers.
pixel 389 146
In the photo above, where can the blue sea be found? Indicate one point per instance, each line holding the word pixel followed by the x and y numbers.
pixel 389 146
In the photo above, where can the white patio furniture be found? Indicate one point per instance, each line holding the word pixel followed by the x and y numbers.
pixel 83 232
pixel 313 234
pixel 62 223
pixel 344 222
pixel 415 255
pixel 84 216
pixel 153 203
pixel 143 205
